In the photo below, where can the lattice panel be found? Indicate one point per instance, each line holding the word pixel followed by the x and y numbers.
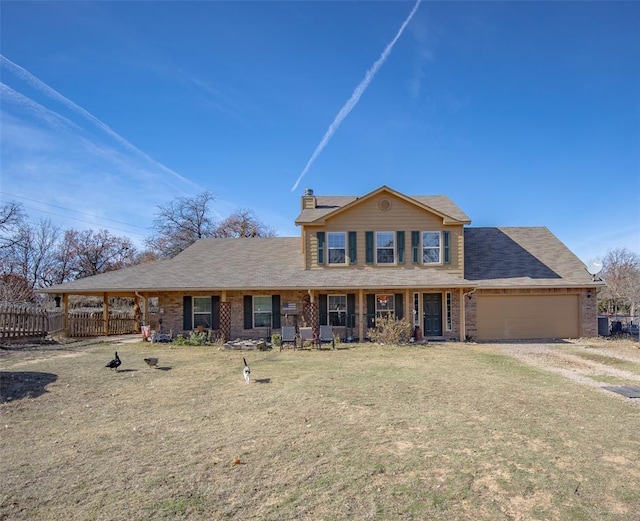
pixel 311 315
pixel 225 321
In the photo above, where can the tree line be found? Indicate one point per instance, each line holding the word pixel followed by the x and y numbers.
pixel 39 254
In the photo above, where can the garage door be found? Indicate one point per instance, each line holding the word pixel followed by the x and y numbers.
pixel 512 317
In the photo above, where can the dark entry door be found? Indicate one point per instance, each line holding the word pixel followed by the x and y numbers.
pixel 432 306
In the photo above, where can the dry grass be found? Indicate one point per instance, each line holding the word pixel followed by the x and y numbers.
pixel 438 432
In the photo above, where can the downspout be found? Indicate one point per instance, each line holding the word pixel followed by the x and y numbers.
pixel 467 293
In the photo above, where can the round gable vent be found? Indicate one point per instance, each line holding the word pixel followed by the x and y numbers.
pixel 384 204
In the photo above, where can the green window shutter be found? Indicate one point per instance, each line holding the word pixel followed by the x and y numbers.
pixel 371 310
pixel 187 313
pixel 351 310
pixel 399 306
pixel 275 311
pixel 368 239
pixel 320 236
pixel 400 243
pixel 415 247
pixel 215 312
pixel 447 247
pixel 322 308
pixel 352 248
pixel 248 312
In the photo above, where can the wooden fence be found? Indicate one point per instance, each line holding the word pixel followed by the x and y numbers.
pixel 18 322
pixel 92 324
pixel 28 322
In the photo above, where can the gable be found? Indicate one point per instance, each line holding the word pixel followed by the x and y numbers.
pixel 385 211
pixel 326 208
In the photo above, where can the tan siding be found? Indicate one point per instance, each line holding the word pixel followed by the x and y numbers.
pixel 401 216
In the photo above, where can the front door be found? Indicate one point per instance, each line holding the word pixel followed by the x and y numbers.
pixel 432 306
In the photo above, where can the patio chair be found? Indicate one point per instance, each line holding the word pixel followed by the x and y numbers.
pixel 288 336
pixel 306 333
pixel 326 336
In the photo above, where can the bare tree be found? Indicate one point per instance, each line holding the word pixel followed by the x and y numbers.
pixel 180 223
pixel 88 253
pixel 35 257
pixel 15 289
pixel 26 255
pixel 621 273
pixel 12 219
pixel 243 224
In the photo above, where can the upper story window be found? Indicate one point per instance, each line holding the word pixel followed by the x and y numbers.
pixel 431 248
pixel 385 247
pixel 337 247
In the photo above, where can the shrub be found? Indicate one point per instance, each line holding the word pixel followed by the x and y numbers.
pixel 391 330
pixel 194 339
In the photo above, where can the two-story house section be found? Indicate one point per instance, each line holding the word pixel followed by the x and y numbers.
pixel 406 254
pixel 413 257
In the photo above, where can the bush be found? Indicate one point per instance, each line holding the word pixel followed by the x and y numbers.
pixel 391 330
pixel 194 339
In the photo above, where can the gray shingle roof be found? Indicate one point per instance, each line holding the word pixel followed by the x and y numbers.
pixel 524 256
pixel 256 263
pixel 494 257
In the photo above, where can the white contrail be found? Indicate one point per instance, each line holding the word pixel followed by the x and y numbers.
pixel 355 97
pixel 54 94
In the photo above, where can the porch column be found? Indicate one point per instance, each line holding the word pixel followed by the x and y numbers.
pixel 463 315
pixel 145 296
pixel 361 315
pixel 137 314
pixel 105 313
pixel 65 314
pixel 408 307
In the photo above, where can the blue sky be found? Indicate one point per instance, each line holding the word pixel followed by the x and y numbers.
pixel 524 113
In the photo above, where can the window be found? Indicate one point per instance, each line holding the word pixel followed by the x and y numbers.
pixel 416 308
pixel 385 305
pixel 431 247
pixel 337 310
pixel 385 247
pixel 262 311
pixel 337 247
pixel 202 312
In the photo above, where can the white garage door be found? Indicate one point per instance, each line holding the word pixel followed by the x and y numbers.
pixel 514 317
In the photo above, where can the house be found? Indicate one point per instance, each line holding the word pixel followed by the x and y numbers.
pixel 414 257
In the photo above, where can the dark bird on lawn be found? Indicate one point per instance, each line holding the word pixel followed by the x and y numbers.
pixel 246 372
pixel 115 363
pixel 151 362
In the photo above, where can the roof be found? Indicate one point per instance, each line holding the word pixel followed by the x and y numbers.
pixel 494 257
pixel 327 205
pixel 521 257
pixel 245 264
